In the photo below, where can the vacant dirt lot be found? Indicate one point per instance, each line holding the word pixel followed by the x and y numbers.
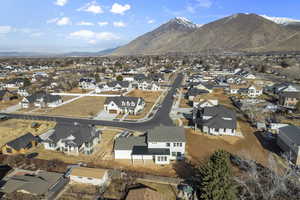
pixel 6 104
pixel 83 107
pixel 201 146
pixel 149 97
pixel 79 191
pixel 78 91
pixel 14 128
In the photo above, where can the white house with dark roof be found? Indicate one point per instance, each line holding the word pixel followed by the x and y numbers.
pixel 148 86
pixel 41 99
pixel 289 141
pixel 216 120
pixel 87 83
pixel 160 145
pixel 124 105
pixel 114 86
pixel 73 139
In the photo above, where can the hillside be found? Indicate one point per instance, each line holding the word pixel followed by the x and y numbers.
pixel 239 32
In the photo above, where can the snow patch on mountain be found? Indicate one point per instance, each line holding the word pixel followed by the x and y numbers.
pixel 281 20
pixel 185 22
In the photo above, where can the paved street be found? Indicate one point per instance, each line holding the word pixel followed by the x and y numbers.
pixel 161 117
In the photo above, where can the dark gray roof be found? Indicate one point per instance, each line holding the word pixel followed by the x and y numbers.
pixel 2 93
pixel 21 142
pixel 123 143
pixel 195 91
pixel 290 94
pixel 218 113
pixel 292 132
pixel 140 77
pixel 82 133
pixel 142 150
pixel 124 84
pixel 125 102
pixel 166 134
pixel 39 183
pixel 48 98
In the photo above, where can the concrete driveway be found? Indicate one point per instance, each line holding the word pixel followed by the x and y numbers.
pixel 103 115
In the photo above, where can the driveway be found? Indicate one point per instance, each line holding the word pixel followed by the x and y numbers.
pixel 103 115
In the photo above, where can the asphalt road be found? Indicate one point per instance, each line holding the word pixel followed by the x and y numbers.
pixel 161 117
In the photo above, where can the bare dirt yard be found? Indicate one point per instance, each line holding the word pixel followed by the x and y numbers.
pixel 83 107
pixel 78 91
pixel 6 104
pixel 200 146
pixel 79 191
pixel 149 97
pixel 14 128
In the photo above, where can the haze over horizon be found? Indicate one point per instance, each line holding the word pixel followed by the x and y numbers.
pixel 87 25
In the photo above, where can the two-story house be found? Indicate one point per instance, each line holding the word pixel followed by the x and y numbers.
pixel 148 86
pixel 159 145
pixel 87 83
pixel 289 141
pixel 73 139
pixel 289 99
pixel 114 86
pixel 124 105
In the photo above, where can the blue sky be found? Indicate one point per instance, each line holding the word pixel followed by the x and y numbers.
pixel 93 25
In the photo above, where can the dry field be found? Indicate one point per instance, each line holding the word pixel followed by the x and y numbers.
pixel 6 104
pixel 113 92
pixel 79 191
pixel 14 128
pixel 201 146
pixel 83 107
pixel 66 98
pixel 78 91
pixel 149 97
pixel 184 103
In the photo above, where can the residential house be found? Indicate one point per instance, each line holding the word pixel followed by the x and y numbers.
pixel 39 184
pixel 41 100
pixel 148 86
pixel 252 91
pixel 15 83
pixel 193 92
pixel 23 92
pixel 140 77
pixel 124 105
pixel 114 86
pixel 160 145
pixel 73 139
pixel 289 141
pixel 87 83
pixel 199 102
pixel 216 120
pixel 20 145
pixel 92 176
pixel 289 99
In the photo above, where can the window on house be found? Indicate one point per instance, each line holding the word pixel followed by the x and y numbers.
pixel 168 144
pixel 8 150
pixel 158 158
pixel 173 154
pixel 180 144
pixel 174 144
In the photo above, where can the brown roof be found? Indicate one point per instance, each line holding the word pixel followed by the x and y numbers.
pixel 88 172
pixel 144 194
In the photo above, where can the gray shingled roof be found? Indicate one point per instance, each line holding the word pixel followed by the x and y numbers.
pixel 48 98
pixel 292 132
pixel 127 143
pixel 166 134
pixel 21 142
pixel 82 133
pixel 35 184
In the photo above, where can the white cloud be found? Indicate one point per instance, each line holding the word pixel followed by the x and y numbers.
pixel 61 2
pixel 92 7
pixel 102 23
pixel 93 37
pixel 119 24
pixel 5 29
pixel 204 3
pixel 60 21
pixel 119 9
pixel 83 23
pixel 151 21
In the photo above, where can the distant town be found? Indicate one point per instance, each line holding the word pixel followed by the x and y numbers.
pixel 125 127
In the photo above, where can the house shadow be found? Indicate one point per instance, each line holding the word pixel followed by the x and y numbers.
pixel 189 118
pixel 268 142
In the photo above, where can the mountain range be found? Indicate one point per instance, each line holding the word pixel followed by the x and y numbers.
pixel 235 33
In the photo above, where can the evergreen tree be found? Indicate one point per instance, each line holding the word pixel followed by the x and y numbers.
pixel 216 178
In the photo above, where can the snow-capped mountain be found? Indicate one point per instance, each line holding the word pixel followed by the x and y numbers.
pixel 185 22
pixel 281 20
